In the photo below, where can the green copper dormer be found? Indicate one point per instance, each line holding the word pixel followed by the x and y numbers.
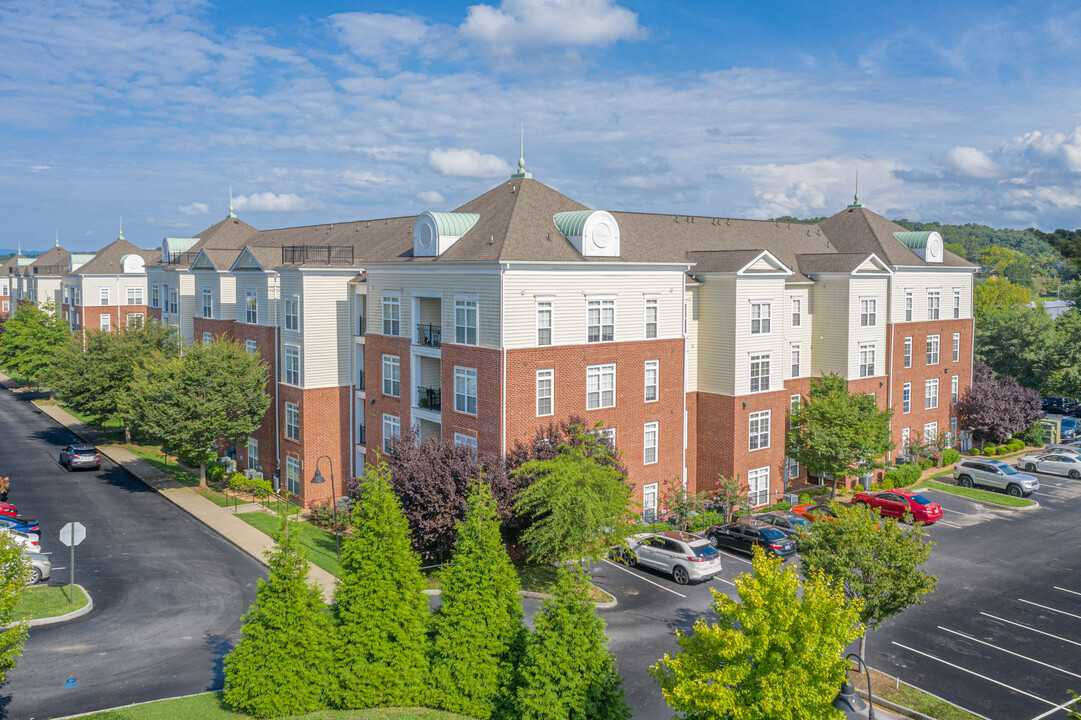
pixel 435 232
pixel 927 244
pixel 77 260
pixel 593 233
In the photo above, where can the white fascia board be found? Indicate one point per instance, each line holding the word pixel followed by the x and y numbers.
pixel 876 260
pixel 773 259
pixel 593 265
pixel 936 269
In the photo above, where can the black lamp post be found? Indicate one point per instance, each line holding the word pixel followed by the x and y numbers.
pixel 848 700
pixel 319 480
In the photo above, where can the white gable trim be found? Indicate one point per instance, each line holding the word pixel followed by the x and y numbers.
pixel 779 268
pixel 873 264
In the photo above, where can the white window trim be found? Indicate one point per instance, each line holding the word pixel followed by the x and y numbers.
pixel 955 389
pixel 907 357
pixel 105 322
pixel 286 314
pixel 551 309
pixel 759 416
pixel 906 405
pixel 251 307
pixel 873 311
pixel 253 456
pixel 910 306
pixel 294 351
pixel 291 464
pixel 927 385
pixel 796 315
pixel 294 410
pixel 208 304
pixel 934 341
pixel 871 348
pixel 464 301
pixel 464 374
pixel 753 476
pixel 549 375
pixel 649 427
pixel 207 339
pixel 393 421
pixel 133 294
pixel 655 301
pixel 390 299
pixel 251 346
pixel 602 299
pixel 750 317
pixel 600 371
pixel 956 347
pixel 392 360
pixel 656 365
pixel 796 350
pixel 469 441
pixel 649 509
pixel 750 363
pixel 103 296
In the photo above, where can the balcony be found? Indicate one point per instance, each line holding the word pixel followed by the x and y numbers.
pixel 429 335
pixel 360 380
pixel 428 398
pixel 325 254
pixel 361 434
pixel 362 326
pixel 182 258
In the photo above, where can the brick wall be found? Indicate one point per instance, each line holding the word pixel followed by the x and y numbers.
pixel 267 433
pixel 375 346
pixel 324 431
pixel 118 315
pixel 216 328
pixel 486 425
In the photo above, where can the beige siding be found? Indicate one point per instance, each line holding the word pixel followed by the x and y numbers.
pixel 325 324
pixel 800 335
pixel 716 334
pixel 264 287
pixel 752 289
pixel 829 311
pixel 919 283
pixel 692 301
pixel 186 306
pixel 875 288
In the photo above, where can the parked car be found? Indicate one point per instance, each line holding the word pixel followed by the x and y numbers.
pixel 1060 405
pixel 815 511
pixel 20 524
pixel 971 472
pixel 1063 449
pixel 1070 427
pixel 744 535
pixel 790 523
pixel 895 503
pixel 41 568
pixel 1057 463
pixel 688 557
pixel 8 510
pixel 29 541
pixel 79 456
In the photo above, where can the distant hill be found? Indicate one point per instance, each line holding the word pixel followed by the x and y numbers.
pixel 973 238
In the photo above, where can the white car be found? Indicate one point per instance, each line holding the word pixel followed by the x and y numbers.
pixel 28 541
pixel 1059 463
pixel 688 557
pixel 41 568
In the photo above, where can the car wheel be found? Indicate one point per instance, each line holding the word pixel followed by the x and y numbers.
pixel 1031 468
pixel 714 541
pixel 679 574
pixel 964 481
pixel 630 559
pixel 35 576
pixel 1014 491
pixel 1075 474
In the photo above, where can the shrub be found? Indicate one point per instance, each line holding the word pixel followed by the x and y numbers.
pixel 975 451
pixel 950 456
pixel 926 463
pixel 215 472
pixel 1033 436
pixel 1016 445
pixel 1002 450
pixel 321 513
pixel 819 490
pixel 875 487
pixel 782 505
pixel 804 498
pixel 890 480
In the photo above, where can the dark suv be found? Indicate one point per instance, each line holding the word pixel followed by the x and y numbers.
pixel 744 535
pixel 80 456
pixel 1060 405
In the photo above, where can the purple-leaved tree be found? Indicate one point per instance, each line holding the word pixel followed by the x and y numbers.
pixel 995 408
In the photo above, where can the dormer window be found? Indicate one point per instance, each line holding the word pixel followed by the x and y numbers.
pixel 435 232
pixel 593 233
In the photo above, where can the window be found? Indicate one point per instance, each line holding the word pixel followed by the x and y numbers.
pixel 760 317
pixel 251 307
pixel 796 307
pixel 207 339
pixel 469 441
pixel 793 405
pixel 649 503
pixel 392 315
pixel 251 346
pixel 104 295
pixel 906 398
pixel 155 296
pixel 930 395
pixel 292 313
pixel 291 355
pixel 956 303
pixel 465 390
pixel 135 295
pixel 78 296
pixel 652 372
pixel 600 320
pixel 609 435
pixel 292 421
pixel 793 468
pixel 544 322
pixel 465 322
pixel 208 303
pixel 652 310
pixel 930 432
pixel 956 347
pixel 649 443
pixel 600 386
pixel 906 436
pixel 545 381
pixel 391 376
pixel 6 306
pixel 955 389
pixel 253 454
pixel 392 430
pixel 867 360
pixel 105 322
pixel 908 306
pixel 760 373
pixel 135 320
pixel 933 297
pixel 758 485
pixel 868 312
pixel 908 352
pixel 758 430
pixel 292 475
pixel 952 437
pixel 795 361
pixel 932 349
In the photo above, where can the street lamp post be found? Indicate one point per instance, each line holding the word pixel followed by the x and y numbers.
pixel 848 700
pixel 318 479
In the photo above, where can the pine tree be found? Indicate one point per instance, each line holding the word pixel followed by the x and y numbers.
pixel 279 667
pixel 478 630
pixel 567 673
pixel 380 610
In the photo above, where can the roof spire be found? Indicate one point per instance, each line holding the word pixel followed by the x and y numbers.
pixel 121 235
pixel 20 250
pixel 57 239
pixel 231 213
pixel 856 198
pixel 521 160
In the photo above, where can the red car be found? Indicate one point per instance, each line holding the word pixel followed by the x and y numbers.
pixel 8 509
pixel 895 503
pixel 815 511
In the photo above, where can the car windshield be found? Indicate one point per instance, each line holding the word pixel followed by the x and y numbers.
pixel 705 551
pixel 1006 469
pixel 797 520
pixel 771 534
pixel 920 500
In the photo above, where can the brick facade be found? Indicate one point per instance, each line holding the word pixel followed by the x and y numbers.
pixel 324 431
pixel 267 433
pixel 486 425
pixel 375 346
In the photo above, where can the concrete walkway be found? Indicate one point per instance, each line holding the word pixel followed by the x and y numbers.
pixel 222 521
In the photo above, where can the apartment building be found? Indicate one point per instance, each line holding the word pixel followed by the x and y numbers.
pixel 38 281
pixel 687 340
pixel 106 290
pixel 9 282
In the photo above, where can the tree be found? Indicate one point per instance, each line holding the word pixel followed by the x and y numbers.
pixel 567 673
pixel 876 563
pixel 14 578
pixel 838 433
pixel 995 259
pixel 996 408
pixel 380 611
pixel 775 655
pixel 477 632
pixel 1063 376
pixel 996 295
pixel 730 494
pixel 1019 272
pixel 31 339
pixel 679 506
pixel 215 391
pixel 1015 342
pixel 279 665
pixel 577 502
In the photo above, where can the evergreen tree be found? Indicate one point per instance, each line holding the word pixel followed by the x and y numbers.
pixel 567 673
pixel 380 610
pixel 478 630
pixel 279 667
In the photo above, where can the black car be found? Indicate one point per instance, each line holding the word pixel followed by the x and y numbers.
pixel 787 522
pixel 1061 405
pixel 80 456
pixel 743 535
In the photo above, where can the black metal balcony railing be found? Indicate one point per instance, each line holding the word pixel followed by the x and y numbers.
pixel 361 434
pixel 50 269
pixel 429 335
pixel 360 380
pixel 328 254
pixel 362 325
pixel 182 258
pixel 428 398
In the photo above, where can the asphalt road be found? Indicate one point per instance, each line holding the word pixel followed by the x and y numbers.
pixel 168 593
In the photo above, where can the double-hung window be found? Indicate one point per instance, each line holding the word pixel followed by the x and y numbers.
pixel 956 347
pixel 392 315
pixel 758 485
pixel 930 432
pixel 468 441
pixel 544 322
pixel 758 430
pixel 796 312
pixel 760 372
pixel 134 295
pixel 956 303
pixel 600 386
pixel 867 360
pixel 908 352
pixel 908 306
pixel 465 322
pixel 600 320
pixel 292 475
pixel 649 443
pixel 292 364
pixel 155 296
pixel 208 303
pixel 251 346
pixel 253 454
pixel 955 389
pixel 868 312
pixel 795 361
pixel 906 439
pixel 251 307
pixel 793 406
pixel 932 349
pixel 652 374
pixel 292 421
pixel 465 390
pixel 652 311
pixel 104 295
pixel 104 322
pixel 392 376
pixel 207 339
pixel 392 431
pixel 172 301
pixel 933 298
pixel 292 313
pixel 930 394
pixel 760 318
pixel 906 398
pixel 545 383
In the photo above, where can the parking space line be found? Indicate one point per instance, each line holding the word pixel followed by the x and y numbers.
pixel 662 587
pixel 736 557
pixel 948 524
pixel 1049 608
pixel 1072 592
pixel 1009 652
pixel 726 582
pixel 1063 706
pixel 1026 627
pixel 955 512
pixel 970 672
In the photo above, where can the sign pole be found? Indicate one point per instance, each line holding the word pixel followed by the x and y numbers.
pixel 71 587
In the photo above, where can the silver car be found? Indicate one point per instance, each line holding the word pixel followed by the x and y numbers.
pixel 971 472
pixel 1056 463
pixel 1061 449
pixel 80 455
pixel 41 568
pixel 688 557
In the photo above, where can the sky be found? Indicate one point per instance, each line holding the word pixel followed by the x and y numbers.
pixel 325 111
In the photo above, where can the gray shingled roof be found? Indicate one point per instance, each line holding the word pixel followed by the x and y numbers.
pixel 108 260
pixel 859 230
pixel 55 256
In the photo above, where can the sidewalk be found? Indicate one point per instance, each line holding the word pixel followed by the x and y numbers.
pixel 224 522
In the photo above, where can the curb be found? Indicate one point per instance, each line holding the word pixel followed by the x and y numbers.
pixel 894 707
pixel 543 596
pixel 138 704
pixel 987 503
pixel 38 622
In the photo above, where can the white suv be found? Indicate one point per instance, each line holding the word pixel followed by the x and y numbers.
pixel 995 474
pixel 685 555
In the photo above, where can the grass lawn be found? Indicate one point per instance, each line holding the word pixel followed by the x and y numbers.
pixel 48 601
pixel 887 688
pixel 991 497
pixel 317 542
pixel 209 707
pixel 170 467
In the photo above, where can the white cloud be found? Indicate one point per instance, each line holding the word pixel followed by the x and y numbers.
pixel 551 23
pixel 88 233
pixel 820 187
pixel 379 36
pixel 431 197
pixel 196 208
pixel 973 163
pixel 467 163
pixel 40 168
pixel 269 202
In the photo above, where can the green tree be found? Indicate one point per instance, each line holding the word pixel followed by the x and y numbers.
pixel 14 576
pixel 996 295
pixel 1019 272
pixel 876 563
pixel 1015 343
pixel 838 433
pixel 31 339
pixel 567 673
pixel 478 632
pixel 1063 353
pixel 380 612
pixel 774 655
pixel 279 665
pixel 578 502
pixel 214 392
pixel 995 259
pixel 957 249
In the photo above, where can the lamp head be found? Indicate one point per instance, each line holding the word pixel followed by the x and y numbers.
pixel 318 478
